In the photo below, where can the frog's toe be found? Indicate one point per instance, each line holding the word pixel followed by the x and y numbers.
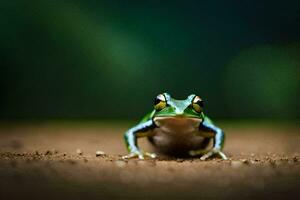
pixel 139 155
pixel 214 152
pixel 207 155
pixel 129 156
pixel 150 155
pixel 222 155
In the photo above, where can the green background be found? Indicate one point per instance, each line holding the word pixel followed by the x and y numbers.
pixel 109 59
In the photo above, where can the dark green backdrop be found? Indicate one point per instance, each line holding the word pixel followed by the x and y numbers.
pixel 109 59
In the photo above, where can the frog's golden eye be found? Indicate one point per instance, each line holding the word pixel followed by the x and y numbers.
pixel 197 104
pixel 160 102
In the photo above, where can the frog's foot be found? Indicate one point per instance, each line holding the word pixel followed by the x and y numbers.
pixel 140 155
pixel 214 152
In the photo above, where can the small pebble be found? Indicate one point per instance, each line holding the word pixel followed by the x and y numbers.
pixel 99 153
pixel 79 152
pixel 252 161
pixel 48 152
pixel 295 159
pixel 37 153
pixel 245 161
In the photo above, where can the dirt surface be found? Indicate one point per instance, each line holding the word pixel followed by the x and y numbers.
pixel 58 161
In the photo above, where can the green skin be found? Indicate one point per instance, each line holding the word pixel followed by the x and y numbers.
pixel 172 115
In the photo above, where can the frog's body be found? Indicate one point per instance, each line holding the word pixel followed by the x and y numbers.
pixel 176 127
pixel 177 135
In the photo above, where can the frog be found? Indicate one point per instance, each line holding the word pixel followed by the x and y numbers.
pixel 176 127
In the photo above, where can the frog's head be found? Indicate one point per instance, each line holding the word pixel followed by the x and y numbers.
pixel 191 107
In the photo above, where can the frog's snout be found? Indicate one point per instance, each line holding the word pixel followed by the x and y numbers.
pixel 179 112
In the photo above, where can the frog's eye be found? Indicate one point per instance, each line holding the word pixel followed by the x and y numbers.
pixel 160 102
pixel 197 104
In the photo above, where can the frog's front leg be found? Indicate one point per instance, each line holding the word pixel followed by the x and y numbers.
pixel 141 130
pixel 218 138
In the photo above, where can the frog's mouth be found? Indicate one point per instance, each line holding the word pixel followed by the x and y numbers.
pixel 178 124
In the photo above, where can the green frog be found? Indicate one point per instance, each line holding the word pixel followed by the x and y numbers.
pixel 176 127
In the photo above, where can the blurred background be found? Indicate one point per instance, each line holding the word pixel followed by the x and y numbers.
pixel 109 59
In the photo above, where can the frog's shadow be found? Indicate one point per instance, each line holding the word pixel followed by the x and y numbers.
pixel 176 152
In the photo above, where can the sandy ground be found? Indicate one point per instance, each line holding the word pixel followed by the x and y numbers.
pixel 58 161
